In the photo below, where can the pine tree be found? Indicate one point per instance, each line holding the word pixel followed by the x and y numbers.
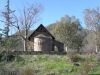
pixel 7 14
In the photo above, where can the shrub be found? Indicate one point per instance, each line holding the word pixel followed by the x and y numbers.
pixel 28 71
pixel 10 57
pixel 86 67
pixel 1 57
pixel 19 58
pixel 98 57
pixel 4 56
pixel 74 57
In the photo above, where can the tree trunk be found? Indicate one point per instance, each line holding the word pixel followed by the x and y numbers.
pixel 96 41
pixel 25 45
pixel 25 40
pixel 96 49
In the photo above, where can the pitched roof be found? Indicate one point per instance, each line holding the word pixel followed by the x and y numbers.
pixel 41 28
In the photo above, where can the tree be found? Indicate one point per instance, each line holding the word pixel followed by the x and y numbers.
pixel 7 15
pixel 5 41
pixel 28 18
pixel 69 31
pixel 92 20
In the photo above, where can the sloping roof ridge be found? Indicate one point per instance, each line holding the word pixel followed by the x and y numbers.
pixel 41 25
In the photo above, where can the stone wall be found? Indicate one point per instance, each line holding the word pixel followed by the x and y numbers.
pixel 59 46
pixel 41 42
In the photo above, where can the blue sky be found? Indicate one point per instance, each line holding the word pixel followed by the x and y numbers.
pixel 55 9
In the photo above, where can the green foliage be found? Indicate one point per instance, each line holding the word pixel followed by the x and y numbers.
pixel 69 31
pixel 9 44
pixel 1 56
pixel 76 59
pixel 98 57
pixel 96 70
pixel 54 64
pixel 4 56
pixel 20 61
pixel 86 67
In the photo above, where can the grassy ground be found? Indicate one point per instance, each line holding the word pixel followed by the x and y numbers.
pixel 56 64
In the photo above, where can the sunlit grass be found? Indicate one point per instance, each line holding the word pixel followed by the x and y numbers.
pixel 55 64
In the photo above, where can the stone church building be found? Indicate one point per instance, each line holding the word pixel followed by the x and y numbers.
pixel 42 40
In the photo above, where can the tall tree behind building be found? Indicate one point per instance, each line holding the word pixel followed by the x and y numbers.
pixel 92 20
pixel 69 31
pixel 8 17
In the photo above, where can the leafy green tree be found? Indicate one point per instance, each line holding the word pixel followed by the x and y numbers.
pixel 8 45
pixel 68 30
